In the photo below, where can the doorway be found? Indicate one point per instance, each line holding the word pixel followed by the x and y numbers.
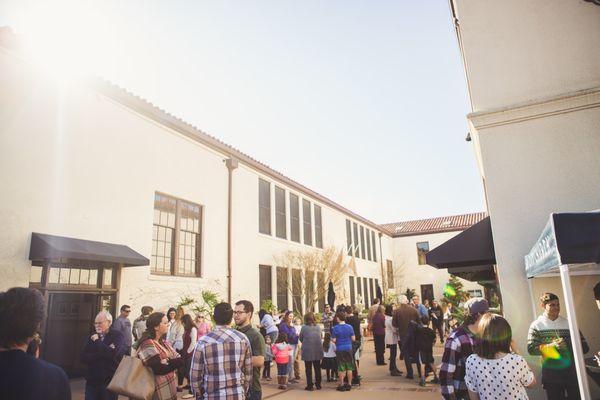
pixel 427 293
pixel 70 321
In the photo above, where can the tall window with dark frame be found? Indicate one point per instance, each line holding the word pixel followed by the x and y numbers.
pixel 294 218
pixel 318 227
pixel 371 289
pixel 349 236
pixel 374 247
pixel 369 245
pixel 362 242
pixel 309 283
pixel 264 283
pixel 307 222
pixel 366 292
pixel 282 288
pixel 176 237
pixel 321 291
pixel 355 239
pixel 280 213
pixel 390 274
pixel 264 206
pixel 352 295
pixel 359 287
pixel 297 291
pixel 422 249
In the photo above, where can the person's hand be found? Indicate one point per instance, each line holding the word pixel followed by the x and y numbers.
pixel 112 346
pixel 560 343
pixel 95 337
pixel 164 361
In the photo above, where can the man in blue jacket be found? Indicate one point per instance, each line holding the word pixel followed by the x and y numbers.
pixel 102 354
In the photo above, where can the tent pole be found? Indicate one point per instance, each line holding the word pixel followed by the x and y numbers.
pixel 565 279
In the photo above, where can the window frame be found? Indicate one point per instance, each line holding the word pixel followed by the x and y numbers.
pixel 318 226
pixel 421 253
pixel 280 216
pixel 264 210
pixel 295 220
pixel 307 234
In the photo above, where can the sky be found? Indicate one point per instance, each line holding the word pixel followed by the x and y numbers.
pixel 363 102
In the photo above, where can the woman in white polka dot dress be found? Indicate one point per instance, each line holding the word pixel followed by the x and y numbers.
pixel 493 371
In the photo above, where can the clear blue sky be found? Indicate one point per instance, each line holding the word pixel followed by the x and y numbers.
pixel 362 101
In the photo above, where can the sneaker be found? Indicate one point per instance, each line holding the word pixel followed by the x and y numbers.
pixel 435 380
pixel 318 386
pixel 422 382
pixel 341 388
pixel 348 387
pixel 395 373
pixel 309 388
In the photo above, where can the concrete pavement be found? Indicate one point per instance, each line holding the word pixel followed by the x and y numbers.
pixel 376 382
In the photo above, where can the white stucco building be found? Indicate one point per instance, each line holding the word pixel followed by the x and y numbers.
pixel 534 84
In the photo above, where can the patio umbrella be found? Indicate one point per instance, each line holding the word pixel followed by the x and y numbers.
pixel 379 293
pixel 330 295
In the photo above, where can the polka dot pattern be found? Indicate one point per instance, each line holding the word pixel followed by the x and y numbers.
pixel 498 379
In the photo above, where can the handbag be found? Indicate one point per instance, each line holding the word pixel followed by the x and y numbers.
pixel 133 379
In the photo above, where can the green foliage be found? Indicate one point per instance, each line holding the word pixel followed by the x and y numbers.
pixel 390 298
pixel 185 301
pixel 268 306
pixel 205 306
pixel 454 294
pixel 410 293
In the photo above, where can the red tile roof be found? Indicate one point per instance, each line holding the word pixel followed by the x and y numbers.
pixel 433 225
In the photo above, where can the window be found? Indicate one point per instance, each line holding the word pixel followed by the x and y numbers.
pixel 372 291
pixel 369 245
pixel 318 227
pixel 374 248
pixel 175 237
pixel 362 242
pixel 282 288
pixel 309 277
pixel 352 296
pixel 294 218
pixel 422 249
pixel 355 240
pixel 475 293
pixel 390 274
pixel 264 283
pixel 366 292
pixel 264 207
pixel 280 214
pixel 359 286
pixel 349 236
pixel 307 222
pixel 321 291
pixel 297 291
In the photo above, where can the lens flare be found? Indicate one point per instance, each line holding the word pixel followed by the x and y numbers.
pixel 449 291
pixel 550 353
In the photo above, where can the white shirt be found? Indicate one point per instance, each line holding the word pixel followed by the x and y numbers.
pixel 330 353
pixel 391 333
pixel 194 339
pixel 175 335
pixel 502 378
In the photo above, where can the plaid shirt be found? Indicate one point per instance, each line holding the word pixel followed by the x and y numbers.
pixel 459 346
pixel 221 365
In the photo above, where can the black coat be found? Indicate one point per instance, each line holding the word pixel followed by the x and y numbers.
pixel 102 357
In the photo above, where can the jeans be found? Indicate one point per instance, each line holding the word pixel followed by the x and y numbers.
pixel 437 327
pixel 273 336
pixel 291 362
pixel 254 394
pixel 379 349
pixel 98 392
pixel 393 353
pixel 561 391
pixel 266 369
pixel 308 367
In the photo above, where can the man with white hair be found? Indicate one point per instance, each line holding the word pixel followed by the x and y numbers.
pixel 400 320
pixel 102 354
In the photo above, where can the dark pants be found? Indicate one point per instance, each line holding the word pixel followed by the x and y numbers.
pixel 267 370
pixel 393 353
pixel 98 392
pixel 379 348
pixel 254 394
pixel 437 327
pixel 308 367
pixel 561 391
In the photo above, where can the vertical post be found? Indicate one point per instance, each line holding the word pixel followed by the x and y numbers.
pixel 565 279
pixel 231 164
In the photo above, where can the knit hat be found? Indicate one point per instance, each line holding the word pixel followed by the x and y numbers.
pixel 477 305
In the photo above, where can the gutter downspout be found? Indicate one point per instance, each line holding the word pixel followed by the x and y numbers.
pixel 383 276
pixel 231 164
pixel 456 24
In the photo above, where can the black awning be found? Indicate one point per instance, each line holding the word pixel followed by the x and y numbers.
pixel 474 247
pixel 50 248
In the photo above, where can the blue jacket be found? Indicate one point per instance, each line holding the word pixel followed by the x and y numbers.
pixel 290 331
pixel 101 358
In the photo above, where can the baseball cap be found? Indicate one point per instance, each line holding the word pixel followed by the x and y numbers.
pixel 477 305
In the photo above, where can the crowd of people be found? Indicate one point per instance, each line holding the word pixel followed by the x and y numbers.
pixel 231 359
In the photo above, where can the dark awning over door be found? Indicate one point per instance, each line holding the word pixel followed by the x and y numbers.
pixel 568 238
pixel 470 254
pixel 50 248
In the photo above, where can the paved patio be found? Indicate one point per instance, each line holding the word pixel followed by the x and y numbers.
pixel 376 382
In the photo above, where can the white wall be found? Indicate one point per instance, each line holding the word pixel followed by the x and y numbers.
pixel 518 51
pixel 412 275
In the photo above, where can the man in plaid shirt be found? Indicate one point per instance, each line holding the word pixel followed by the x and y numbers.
pixel 222 363
pixel 459 346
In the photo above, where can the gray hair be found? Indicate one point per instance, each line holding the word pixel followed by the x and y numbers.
pixel 403 299
pixel 106 315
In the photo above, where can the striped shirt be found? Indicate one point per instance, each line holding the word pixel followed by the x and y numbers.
pixel 459 346
pixel 222 365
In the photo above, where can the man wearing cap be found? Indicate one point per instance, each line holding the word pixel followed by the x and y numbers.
pixel 549 336
pixel 459 346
